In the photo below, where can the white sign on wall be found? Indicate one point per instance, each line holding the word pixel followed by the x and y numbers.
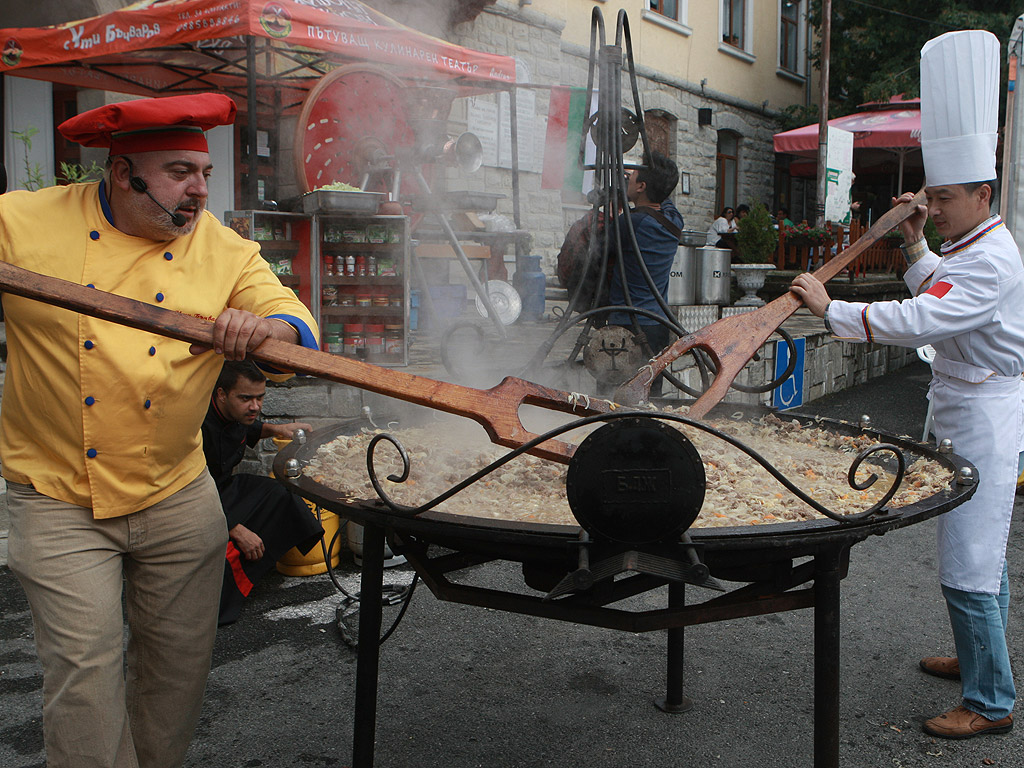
pixel 490 120
pixel 839 174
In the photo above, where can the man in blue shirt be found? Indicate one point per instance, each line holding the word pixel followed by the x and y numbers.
pixel 657 225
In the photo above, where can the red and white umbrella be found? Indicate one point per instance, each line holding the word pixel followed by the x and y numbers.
pixel 893 125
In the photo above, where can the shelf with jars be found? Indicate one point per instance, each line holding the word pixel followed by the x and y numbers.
pixel 362 285
pixel 284 240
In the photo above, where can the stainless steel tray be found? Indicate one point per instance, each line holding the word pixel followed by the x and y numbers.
pixel 341 201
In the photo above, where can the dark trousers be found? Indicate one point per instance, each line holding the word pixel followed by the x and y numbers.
pixel 273 513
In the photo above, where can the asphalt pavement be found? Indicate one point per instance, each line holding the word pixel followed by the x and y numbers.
pixel 464 687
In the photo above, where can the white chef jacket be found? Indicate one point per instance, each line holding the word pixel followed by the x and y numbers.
pixel 969 305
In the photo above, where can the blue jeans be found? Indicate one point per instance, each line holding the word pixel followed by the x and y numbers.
pixel 979 631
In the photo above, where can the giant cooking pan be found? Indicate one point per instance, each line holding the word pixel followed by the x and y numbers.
pixel 768 568
pixel 524 541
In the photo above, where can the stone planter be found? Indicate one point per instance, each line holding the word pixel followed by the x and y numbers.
pixel 750 279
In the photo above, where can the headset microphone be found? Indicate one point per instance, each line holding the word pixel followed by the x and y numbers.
pixel 139 185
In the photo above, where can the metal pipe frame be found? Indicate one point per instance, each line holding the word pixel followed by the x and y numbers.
pixel 826 569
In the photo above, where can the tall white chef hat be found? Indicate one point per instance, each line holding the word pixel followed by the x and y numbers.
pixel 959 107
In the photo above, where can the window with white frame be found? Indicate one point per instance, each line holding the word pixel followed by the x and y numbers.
pixel 670 9
pixel 734 22
pixel 790 13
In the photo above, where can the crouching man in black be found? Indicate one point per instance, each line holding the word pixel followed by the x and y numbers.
pixel 264 518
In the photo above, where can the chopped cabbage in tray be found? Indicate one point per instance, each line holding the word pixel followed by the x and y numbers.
pixel 338 186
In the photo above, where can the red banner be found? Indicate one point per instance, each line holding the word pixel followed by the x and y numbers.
pixel 344 28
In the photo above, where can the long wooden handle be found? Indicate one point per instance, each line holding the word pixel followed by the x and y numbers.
pixel 496 409
pixel 732 341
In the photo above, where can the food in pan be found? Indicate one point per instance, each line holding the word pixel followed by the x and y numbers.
pixel 339 186
pixel 739 491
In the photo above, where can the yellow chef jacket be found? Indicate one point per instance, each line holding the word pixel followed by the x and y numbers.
pixel 99 414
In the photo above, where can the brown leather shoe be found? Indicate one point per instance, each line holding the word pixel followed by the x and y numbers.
pixel 961 723
pixel 947 667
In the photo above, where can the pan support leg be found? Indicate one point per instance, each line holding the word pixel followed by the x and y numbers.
pixel 674 701
pixel 368 660
pixel 828 573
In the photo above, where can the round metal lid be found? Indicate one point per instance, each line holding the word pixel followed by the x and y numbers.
pixel 505 300
pixel 636 481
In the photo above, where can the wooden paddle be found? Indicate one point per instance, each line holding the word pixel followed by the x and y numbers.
pixel 732 341
pixel 496 409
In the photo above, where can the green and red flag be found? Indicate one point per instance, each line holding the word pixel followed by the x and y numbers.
pixel 566 115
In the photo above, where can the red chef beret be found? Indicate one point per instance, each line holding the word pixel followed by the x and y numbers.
pixel 148 125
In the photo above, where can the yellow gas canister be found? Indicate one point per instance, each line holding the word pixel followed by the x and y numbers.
pixel 293 562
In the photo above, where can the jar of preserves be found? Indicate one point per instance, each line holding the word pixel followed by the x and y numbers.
pixel 374 340
pixel 363 300
pixel 393 340
pixel 354 340
pixel 332 342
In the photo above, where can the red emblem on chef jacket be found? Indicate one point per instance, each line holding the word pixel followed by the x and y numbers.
pixel 940 289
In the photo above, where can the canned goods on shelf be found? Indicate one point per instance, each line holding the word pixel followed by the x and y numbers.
pixel 333 343
pixel 393 337
pixel 375 339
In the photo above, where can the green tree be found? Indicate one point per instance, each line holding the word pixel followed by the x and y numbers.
pixel 876 45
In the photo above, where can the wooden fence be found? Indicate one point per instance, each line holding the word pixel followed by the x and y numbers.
pixel 881 257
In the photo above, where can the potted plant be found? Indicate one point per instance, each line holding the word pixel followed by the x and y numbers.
pixel 756 241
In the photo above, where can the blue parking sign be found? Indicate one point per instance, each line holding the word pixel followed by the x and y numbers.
pixel 790 393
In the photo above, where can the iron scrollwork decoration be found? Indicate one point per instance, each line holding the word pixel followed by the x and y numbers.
pixel 877 509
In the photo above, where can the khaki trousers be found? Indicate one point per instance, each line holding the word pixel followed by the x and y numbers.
pixel 102 709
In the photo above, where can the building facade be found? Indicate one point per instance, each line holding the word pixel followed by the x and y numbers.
pixel 713 78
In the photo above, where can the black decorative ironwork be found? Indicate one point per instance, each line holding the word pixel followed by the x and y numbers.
pixel 875 511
